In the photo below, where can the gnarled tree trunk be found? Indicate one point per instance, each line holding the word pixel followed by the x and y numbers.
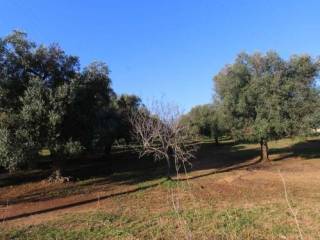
pixel 57 174
pixel 264 155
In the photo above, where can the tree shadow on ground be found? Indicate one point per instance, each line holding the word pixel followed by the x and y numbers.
pixel 93 175
pixel 129 170
pixel 211 156
pixel 228 157
pixel 86 168
pixel 220 158
pixel 78 203
pixel 308 149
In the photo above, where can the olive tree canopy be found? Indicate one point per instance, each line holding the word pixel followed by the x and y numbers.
pixel 266 97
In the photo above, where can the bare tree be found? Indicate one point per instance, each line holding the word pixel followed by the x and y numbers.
pixel 161 135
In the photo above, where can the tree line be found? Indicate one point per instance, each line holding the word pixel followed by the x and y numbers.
pixel 48 102
pixel 262 97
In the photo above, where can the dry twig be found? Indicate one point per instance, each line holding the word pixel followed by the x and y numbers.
pixel 294 213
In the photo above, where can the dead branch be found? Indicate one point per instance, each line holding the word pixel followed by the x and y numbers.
pixel 161 135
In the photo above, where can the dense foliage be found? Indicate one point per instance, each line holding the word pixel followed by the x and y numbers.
pixel 47 102
pixel 266 97
pixel 207 121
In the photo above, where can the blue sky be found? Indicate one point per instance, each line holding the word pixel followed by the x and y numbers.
pixel 167 49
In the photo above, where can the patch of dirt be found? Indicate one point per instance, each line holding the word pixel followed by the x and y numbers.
pixel 32 213
pixel 244 183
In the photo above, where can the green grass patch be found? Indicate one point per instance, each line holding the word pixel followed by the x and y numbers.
pixel 97 225
pixel 233 223
pixel 173 184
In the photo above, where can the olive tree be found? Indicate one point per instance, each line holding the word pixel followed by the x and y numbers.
pixel 125 104
pixel 206 120
pixel 47 102
pixel 266 97
pixel 41 118
pixel 34 83
pixel 90 116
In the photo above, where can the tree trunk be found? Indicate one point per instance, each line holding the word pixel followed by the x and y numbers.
pixel 169 168
pixel 216 139
pixel 57 173
pixel 264 157
pixel 111 165
pixel 107 149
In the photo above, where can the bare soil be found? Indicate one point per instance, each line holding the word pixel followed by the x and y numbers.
pixel 222 177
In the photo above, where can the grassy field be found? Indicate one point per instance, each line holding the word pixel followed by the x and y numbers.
pixel 227 195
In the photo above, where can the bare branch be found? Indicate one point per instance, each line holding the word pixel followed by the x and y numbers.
pixel 161 134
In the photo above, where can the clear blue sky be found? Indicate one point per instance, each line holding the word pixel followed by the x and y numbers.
pixel 167 48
